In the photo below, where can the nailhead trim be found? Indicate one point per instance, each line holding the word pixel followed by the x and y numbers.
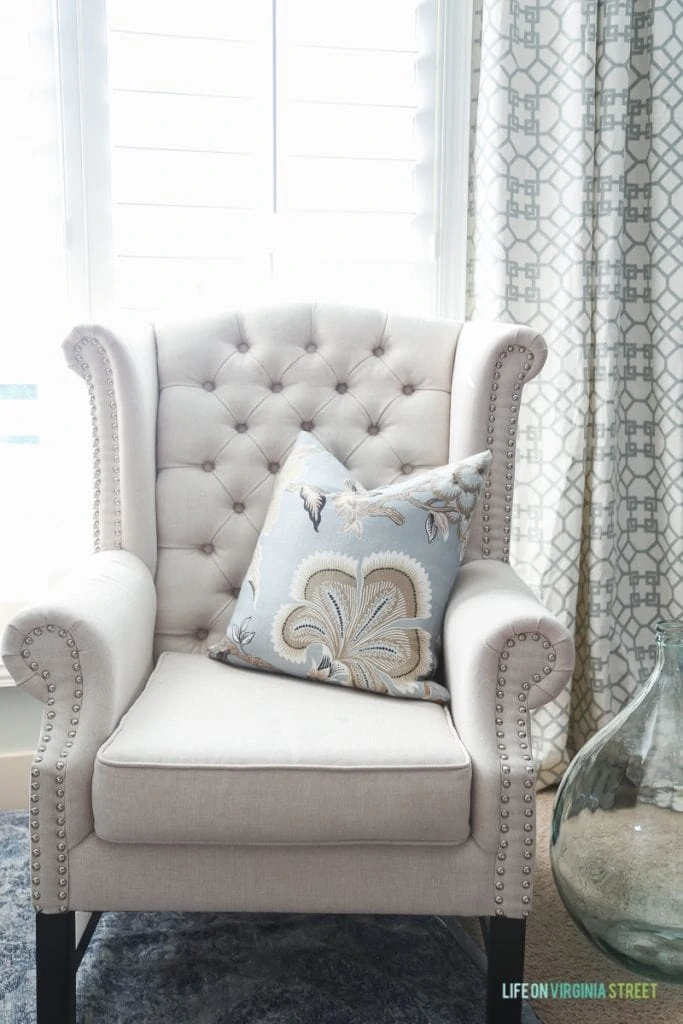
pixel 53 773
pixel 98 427
pixel 497 383
pixel 516 785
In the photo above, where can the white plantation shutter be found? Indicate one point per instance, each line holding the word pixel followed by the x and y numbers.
pixel 357 215
pixel 172 157
pixel 190 135
pixel 276 148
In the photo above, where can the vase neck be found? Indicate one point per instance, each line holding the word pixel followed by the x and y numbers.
pixel 669 638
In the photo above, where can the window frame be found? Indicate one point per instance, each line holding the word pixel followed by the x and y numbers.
pixel 81 55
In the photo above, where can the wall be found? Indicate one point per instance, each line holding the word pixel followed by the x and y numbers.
pixel 20 717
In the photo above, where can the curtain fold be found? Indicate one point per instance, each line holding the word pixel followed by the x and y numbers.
pixel 576 227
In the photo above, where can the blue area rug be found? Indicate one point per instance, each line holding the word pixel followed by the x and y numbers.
pixel 246 968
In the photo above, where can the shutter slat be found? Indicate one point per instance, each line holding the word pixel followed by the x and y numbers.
pixel 186 66
pixel 161 121
pixel 312 183
pixel 208 18
pixel 369 77
pixel 186 179
pixel 176 231
pixel 377 133
pixel 370 24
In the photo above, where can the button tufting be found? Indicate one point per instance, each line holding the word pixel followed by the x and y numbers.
pixel 208 467
pixel 406 468
pixel 311 347
pixel 207 549
pixel 238 507
pixel 235 592
pixel 276 386
pixel 241 428
pixel 202 634
pixel 243 347
pixel 273 467
pixel 408 389
pixel 342 389
pixel 208 385
pixel 307 425
pixel 373 429
pixel 378 350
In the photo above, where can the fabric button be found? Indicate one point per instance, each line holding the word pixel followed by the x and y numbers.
pixel 241 428
pixel 235 592
pixel 311 347
pixel 208 467
pixel 373 429
pixel 378 350
pixel 408 389
pixel 276 386
pixel 273 467
pixel 207 549
pixel 208 385
pixel 406 468
pixel 307 425
pixel 202 634
pixel 243 347
pixel 238 507
pixel 342 388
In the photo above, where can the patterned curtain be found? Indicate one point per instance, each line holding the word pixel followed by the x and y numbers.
pixel 576 227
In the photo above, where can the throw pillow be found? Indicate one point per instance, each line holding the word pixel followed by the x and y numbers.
pixel 350 586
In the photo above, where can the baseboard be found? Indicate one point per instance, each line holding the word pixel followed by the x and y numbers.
pixel 14 776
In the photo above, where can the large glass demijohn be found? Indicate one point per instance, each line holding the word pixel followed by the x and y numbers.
pixel 617 838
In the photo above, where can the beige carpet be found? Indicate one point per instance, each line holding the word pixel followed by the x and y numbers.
pixel 557 951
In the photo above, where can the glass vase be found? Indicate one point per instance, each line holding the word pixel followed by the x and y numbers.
pixel 616 846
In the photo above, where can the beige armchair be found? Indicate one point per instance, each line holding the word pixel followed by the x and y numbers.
pixel 214 796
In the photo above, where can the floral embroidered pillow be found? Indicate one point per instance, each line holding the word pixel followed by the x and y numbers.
pixel 349 586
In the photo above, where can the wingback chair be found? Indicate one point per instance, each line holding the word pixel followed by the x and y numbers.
pixel 216 797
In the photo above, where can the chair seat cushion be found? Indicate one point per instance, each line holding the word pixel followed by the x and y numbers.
pixel 212 753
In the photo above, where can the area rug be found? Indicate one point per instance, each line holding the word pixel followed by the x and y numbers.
pixel 246 968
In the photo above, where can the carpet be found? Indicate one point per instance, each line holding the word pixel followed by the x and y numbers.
pixel 557 951
pixel 246 968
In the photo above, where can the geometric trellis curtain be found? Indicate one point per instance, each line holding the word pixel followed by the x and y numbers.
pixel 576 228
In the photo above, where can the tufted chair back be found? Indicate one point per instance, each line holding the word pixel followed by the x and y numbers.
pixel 191 423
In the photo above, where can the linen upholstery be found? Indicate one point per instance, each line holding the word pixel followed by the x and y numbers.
pixel 210 753
pixel 120 371
pixel 519 658
pixel 466 383
pixel 384 878
pixel 358 379
pixel 85 652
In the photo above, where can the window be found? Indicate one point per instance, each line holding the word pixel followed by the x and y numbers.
pixel 230 152
pixel 177 157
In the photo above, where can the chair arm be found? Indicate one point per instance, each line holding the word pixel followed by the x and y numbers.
pixel 85 652
pixel 504 654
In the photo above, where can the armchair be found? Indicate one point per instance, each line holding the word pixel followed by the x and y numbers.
pixel 153 783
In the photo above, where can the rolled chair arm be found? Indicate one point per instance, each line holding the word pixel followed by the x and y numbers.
pixel 504 655
pixel 85 652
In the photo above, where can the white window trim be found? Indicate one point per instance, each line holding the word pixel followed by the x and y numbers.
pixel 84 112
pixel 454 61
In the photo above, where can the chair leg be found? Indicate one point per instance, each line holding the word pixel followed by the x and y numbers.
pixel 56 964
pixel 505 947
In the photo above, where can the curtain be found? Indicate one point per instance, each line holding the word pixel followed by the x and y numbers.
pixel 576 227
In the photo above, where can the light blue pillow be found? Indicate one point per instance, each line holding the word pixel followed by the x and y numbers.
pixel 349 586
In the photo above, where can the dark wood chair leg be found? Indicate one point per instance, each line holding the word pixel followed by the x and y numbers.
pixel 505 947
pixel 56 965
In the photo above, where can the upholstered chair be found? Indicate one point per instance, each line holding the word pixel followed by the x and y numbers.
pixel 214 793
